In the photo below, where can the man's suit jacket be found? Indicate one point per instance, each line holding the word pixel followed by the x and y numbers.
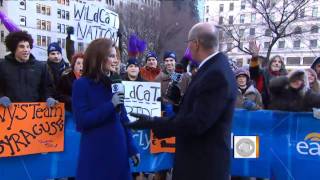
pixel 202 125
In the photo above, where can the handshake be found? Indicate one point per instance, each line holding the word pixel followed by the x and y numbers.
pixel 6 102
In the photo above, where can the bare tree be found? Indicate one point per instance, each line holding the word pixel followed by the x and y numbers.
pixel 279 18
pixel 139 20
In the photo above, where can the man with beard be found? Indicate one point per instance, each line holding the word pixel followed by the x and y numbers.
pixel 262 76
pixel 22 77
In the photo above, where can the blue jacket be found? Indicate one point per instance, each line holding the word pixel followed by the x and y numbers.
pixel 105 145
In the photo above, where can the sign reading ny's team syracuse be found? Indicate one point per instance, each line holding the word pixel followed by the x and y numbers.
pixel 30 128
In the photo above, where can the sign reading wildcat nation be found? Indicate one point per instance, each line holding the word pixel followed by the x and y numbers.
pixel 30 128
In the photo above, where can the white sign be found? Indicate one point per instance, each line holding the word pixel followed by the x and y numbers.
pixel 92 21
pixel 246 146
pixel 142 98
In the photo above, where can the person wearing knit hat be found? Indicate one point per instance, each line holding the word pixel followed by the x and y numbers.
pixel 316 66
pixel 56 64
pixel 150 71
pixel 133 71
pixel 248 96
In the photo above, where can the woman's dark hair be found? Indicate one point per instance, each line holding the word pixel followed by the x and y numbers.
pixel 74 59
pixel 12 40
pixel 94 57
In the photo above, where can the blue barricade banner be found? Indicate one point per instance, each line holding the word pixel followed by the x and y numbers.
pixel 288 148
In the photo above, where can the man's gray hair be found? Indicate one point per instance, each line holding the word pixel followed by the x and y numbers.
pixel 208 37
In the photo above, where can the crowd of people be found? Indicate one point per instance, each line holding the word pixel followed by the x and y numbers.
pixel 84 86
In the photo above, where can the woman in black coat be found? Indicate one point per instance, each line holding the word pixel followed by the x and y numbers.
pixel 65 84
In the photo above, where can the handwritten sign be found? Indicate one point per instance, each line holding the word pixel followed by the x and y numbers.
pixel 141 97
pixel 92 21
pixel 30 128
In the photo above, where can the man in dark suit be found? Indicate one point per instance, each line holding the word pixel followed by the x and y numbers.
pixel 202 125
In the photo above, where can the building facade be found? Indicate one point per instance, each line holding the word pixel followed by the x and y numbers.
pixel 47 21
pixel 298 50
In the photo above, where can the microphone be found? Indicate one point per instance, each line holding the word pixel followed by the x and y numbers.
pixel 173 92
pixel 117 87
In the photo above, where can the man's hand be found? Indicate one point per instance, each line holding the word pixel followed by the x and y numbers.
pixel 142 122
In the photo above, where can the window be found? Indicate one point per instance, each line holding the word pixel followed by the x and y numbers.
pixel 23 21
pixel 229 34
pixel 241 32
pixel 229 46
pixel 296 44
pixel 266 45
pixel 67 2
pixel 313 43
pixel 231 7
pixel 302 13
pixel 43 10
pixel 38 8
pixel 22 4
pixel 38 24
pixel 63 28
pixel 220 20
pixel 63 14
pixel 314 29
pixel 242 18
pixel 281 44
pixel 48 40
pixel 59 41
pixel 308 60
pixel 48 11
pixel 67 15
pixel 59 13
pixel 80 47
pixel 267 32
pixel 207 19
pixel 38 40
pixel 43 25
pixel 252 31
pixel 243 4
pixel 297 30
pixel 253 17
pixel 63 43
pixel 2 36
pixel 230 19
pixel 48 26
pixel 221 8
pixel 59 27
pixel 314 11
pixel 207 9
pixel 254 3
pixel 293 60
pixel 44 41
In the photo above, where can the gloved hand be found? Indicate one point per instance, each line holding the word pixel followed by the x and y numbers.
pixel 117 99
pixel 5 101
pixel 316 113
pixel 51 102
pixel 143 121
pixel 135 159
pixel 249 105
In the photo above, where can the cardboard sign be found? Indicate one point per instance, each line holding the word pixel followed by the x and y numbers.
pixel 30 128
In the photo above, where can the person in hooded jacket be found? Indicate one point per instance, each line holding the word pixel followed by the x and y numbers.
pixel 22 77
pixel 313 80
pixel 248 96
pixel 292 93
pixel 316 66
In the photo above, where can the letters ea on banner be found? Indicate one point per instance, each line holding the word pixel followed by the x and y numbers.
pixel 30 128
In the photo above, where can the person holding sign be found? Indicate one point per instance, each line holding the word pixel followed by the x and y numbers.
pixel 106 144
pixel 203 122
pixel 22 77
